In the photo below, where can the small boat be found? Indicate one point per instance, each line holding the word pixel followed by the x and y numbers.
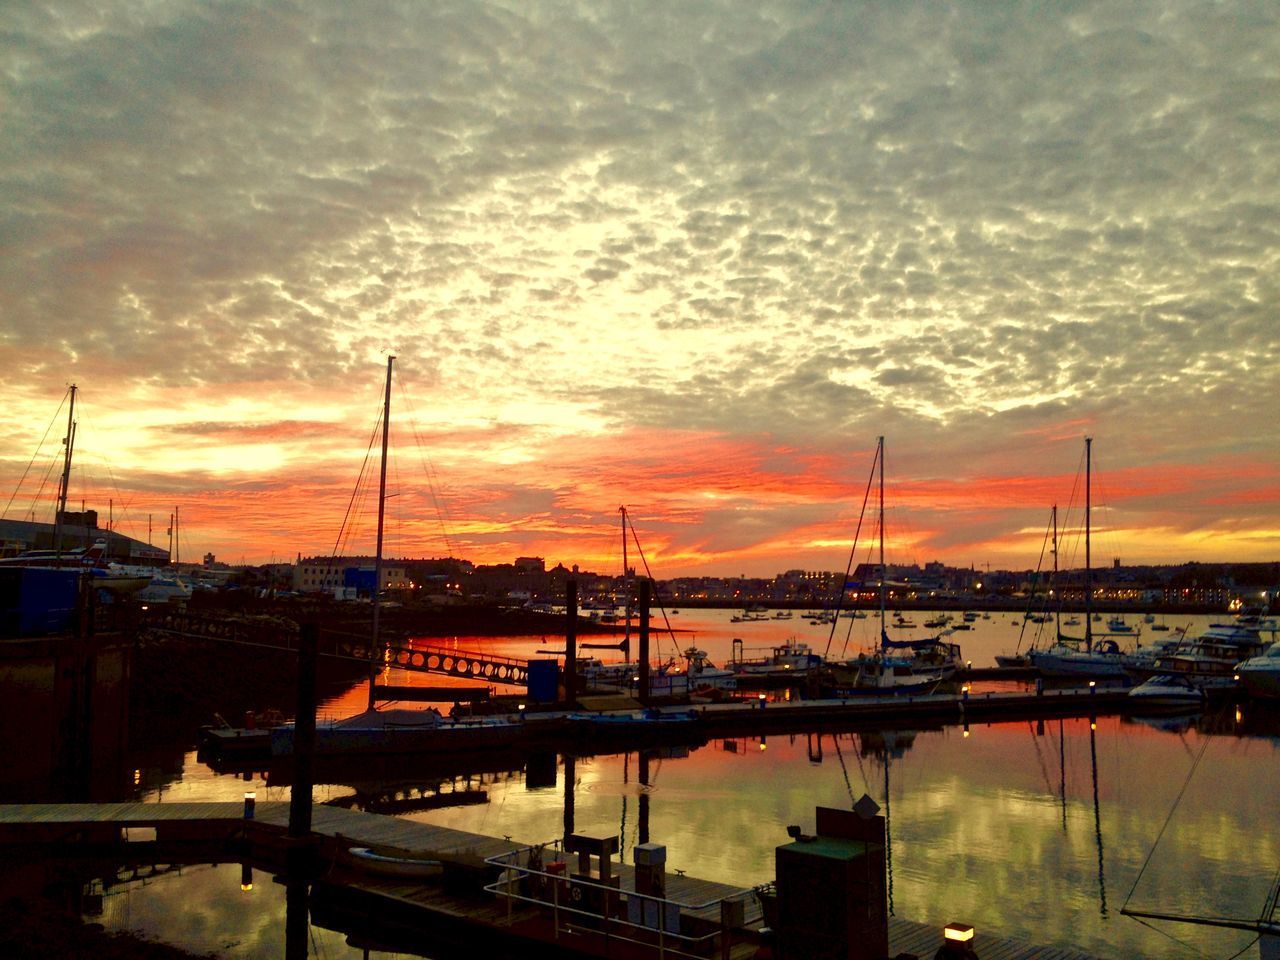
pixel 404 864
pixel 1260 676
pixel 1013 661
pixel 1118 625
pixel 1167 691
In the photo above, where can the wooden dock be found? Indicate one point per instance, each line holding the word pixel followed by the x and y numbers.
pixel 347 896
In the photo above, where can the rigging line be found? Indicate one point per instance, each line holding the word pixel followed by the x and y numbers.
pixel 56 417
pixel 428 469
pixel 853 550
pixel 350 503
pixel 1164 826
pixel 1247 946
pixel 649 573
pixel 1169 936
pixel 1031 597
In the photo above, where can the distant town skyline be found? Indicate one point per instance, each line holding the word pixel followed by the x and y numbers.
pixel 690 260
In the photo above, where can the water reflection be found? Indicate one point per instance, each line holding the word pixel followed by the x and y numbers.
pixel 983 827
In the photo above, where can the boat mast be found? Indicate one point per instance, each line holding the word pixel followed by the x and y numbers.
pixel 374 647
pixel 1053 583
pixel 880 456
pixel 1088 565
pixel 626 585
pixel 65 483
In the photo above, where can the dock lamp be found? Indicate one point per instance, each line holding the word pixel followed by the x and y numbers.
pixel 250 801
pixel 1093 686
pixel 957 943
pixel 246 878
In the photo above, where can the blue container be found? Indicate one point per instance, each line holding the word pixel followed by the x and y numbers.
pixel 37 600
pixel 544 678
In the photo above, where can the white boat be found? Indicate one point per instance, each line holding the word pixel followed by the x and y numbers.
pixel 393 865
pixel 401 731
pixel 1167 691
pixel 791 658
pixel 1260 676
pixel 1208 660
pixel 163 589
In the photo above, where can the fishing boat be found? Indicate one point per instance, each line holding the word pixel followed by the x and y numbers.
pixel 789 659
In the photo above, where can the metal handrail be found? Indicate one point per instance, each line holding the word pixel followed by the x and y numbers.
pixel 515 872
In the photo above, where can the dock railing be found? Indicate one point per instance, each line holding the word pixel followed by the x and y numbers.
pixel 580 905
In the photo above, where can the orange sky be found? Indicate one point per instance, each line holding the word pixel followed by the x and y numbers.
pixel 693 261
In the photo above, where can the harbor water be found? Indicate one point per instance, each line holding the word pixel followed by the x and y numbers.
pixel 1039 831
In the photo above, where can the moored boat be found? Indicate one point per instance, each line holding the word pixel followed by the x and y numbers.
pixel 405 864
pixel 1260 676
pixel 404 731
pixel 1167 692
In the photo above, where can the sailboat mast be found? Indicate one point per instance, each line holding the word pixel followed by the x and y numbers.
pixel 65 483
pixel 880 456
pixel 374 647
pixel 1053 583
pixel 626 585
pixel 1088 560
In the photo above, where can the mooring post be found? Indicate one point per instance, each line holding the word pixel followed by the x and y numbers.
pixel 570 641
pixel 645 589
pixel 304 734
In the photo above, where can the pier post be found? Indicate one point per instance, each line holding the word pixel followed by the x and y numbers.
pixel 570 641
pixel 646 586
pixel 644 797
pixel 570 775
pixel 304 734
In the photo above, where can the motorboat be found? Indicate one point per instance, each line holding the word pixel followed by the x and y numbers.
pixel 1209 659
pixel 164 589
pixel 1260 676
pixel 1167 691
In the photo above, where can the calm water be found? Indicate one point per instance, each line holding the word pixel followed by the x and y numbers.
pixel 1036 832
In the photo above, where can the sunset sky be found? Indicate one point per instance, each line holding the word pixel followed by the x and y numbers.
pixel 688 257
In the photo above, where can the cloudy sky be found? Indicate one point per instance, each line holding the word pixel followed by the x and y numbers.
pixel 688 257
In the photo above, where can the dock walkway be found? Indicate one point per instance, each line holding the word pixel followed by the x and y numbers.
pixel 337 828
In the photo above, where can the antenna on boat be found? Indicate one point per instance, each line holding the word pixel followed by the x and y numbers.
pixel 374 646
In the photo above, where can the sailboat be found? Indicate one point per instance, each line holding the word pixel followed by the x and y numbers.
pixel 1083 656
pixel 90 560
pixel 882 673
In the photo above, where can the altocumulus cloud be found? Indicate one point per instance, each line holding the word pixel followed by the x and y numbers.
pixel 814 220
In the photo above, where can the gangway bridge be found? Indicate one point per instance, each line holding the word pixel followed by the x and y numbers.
pixel 279 633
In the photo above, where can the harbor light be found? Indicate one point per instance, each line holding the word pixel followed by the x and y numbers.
pixel 250 801
pixel 958 932
pixel 246 878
